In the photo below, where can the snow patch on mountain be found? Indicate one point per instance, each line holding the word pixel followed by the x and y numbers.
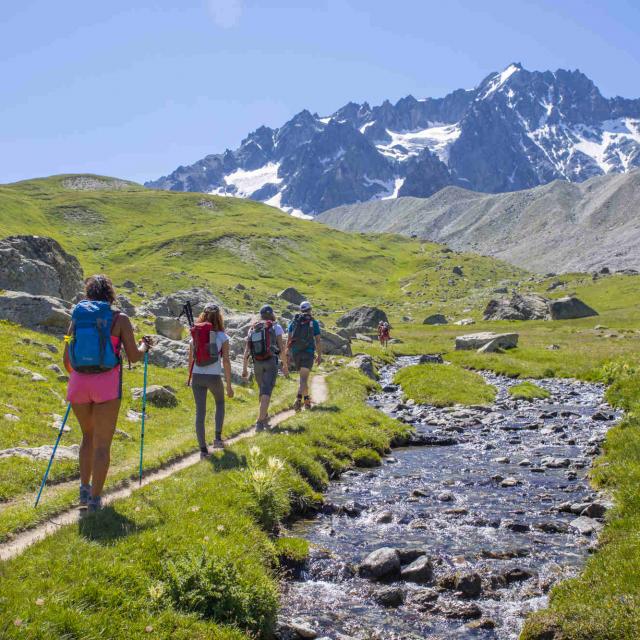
pixel 247 183
pixel 438 138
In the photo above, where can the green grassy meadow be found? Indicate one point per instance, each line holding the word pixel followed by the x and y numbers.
pixel 142 567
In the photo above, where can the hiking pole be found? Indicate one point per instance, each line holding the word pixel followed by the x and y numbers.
pixel 53 453
pixel 187 311
pixel 144 412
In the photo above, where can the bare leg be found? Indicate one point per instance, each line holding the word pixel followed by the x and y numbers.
pixel 105 419
pixel 264 408
pixel 303 389
pixel 84 415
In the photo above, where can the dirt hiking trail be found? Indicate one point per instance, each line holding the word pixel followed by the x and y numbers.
pixel 24 539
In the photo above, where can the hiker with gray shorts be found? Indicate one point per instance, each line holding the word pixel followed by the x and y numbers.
pixel 264 345
pixel 304 347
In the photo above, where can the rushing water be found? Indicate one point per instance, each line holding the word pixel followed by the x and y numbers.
pixel 453 503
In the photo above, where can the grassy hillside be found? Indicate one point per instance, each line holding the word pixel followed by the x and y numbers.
pixel 165 241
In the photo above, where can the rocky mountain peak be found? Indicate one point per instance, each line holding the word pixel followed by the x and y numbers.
pixel 515 130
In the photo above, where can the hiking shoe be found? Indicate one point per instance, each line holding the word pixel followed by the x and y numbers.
pixel 85 494
pixel 307 403
pixel 297 405
pixel 218 443
pixel 204 454
pixel 260 425
pixel 95 504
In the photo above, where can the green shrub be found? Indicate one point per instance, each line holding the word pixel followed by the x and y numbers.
pixel 213 588
pixel 261 482
pixel 366 458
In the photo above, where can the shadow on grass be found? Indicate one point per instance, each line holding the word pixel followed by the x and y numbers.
pixel 225 460
pixel 106 526
pixel 325 408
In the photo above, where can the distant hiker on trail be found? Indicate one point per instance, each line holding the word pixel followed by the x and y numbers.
pixel 264 345
pixel 208 356
pixel 92 358
pixel 384 333
pixel 303 344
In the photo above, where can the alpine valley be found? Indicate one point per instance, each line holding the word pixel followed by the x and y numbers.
pixel 516 130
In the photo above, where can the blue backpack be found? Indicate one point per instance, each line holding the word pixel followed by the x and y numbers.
pixel 90 349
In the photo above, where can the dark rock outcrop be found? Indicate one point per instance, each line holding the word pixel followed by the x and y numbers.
pixel 361 319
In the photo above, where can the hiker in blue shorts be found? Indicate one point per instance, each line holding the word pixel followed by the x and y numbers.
pixel 304 346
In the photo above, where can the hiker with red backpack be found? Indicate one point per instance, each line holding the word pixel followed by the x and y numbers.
pixel 264 345
pixel 92 357
pixel 208 360
pixel 304 346
pixel 384 332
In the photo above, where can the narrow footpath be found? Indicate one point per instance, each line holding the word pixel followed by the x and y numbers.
pixel 24 539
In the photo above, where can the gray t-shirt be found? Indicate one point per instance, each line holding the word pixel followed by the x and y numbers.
pixel 214 369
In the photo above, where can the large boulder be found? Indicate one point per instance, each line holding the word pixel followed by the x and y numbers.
pixel 172 304
pixel 168 353
pixel 169 327
pixel 435 319
pixel 42 313
pixel 237 327
pixel 364 364
pixel 362 319
pixel 570 308
pixel 479 340
pixel 39 266
pixel 292 295
pixel 334 344
pixel 518 307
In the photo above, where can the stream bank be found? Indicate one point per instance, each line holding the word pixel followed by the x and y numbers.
pixel 462 534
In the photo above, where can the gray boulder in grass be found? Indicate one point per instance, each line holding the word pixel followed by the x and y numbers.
pixel 157 395
pixel 364 364
pixel 169 327
pixel 42 313
pixel 435 319
pixel 570 309
pixel 292 295
pixel 172 304
pixel 334 344
pixel 362 319
pixel 39 266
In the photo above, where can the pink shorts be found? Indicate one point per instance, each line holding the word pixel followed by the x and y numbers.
pixel 84 388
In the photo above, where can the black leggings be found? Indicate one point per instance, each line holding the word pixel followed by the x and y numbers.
pixel 200 384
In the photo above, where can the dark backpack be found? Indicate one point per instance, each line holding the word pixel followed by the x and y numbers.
pixel 90 347
pixel 301 337
pixel 262 339
pixel 205 348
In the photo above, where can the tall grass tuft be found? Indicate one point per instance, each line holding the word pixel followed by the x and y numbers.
pixel 261 481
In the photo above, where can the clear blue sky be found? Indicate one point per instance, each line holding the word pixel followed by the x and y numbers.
pixel 133 88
